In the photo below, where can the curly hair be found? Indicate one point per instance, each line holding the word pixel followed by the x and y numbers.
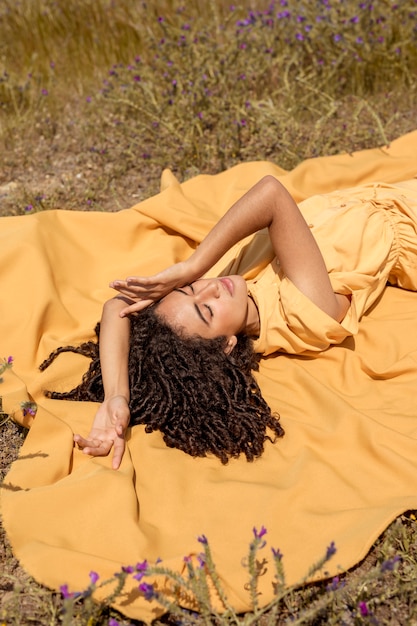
pixel 201 399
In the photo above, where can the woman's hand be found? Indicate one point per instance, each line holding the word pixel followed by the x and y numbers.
pixel 148 289
pixel 108 430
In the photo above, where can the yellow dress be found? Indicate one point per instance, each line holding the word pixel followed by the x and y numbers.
pixel 368 238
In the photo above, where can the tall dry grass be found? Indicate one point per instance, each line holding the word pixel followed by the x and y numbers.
pixel 199 86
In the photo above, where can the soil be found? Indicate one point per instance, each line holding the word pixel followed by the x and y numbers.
pixel 11 438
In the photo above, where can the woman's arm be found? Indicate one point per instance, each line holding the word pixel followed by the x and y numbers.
pixel 112 418
pixel 114 349
pixel 266 205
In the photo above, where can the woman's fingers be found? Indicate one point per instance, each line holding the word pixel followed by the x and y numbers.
pixel 94 447
pixel 119 448
pixel 136 307
pixel 153 292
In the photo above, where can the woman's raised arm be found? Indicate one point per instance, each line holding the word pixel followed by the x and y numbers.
pixel 266 205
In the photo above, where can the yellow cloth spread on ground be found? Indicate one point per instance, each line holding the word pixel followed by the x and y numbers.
pixel 344 470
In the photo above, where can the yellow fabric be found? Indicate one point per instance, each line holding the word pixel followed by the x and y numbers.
pixel 368 236
pixel 343 471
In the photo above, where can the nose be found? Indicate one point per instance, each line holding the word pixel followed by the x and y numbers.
pixel 209 288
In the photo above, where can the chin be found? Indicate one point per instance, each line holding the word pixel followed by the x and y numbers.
pixel 237 279
pixel 239 283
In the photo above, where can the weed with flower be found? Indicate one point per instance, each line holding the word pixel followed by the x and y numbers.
pixel 197 597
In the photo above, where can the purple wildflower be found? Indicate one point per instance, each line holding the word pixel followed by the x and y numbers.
pixel 334 585
pixel 9 360
pixel 65 592
pixel 389 565
pixel 257 544
pixel 142 566
pixel 277 554
pixel 28 408
pixel 201 558
pixel 364 611
pixel 331 550
pixel 44 92
pixel 202 539
pixel 261 533
pixel 147 590
pixel 141 569
pixel 93 577
pixel 113 622
pixel 128 569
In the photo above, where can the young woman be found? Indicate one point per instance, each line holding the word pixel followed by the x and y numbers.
pixel 325 274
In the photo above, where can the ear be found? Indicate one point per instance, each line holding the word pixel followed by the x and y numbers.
pixel 231 342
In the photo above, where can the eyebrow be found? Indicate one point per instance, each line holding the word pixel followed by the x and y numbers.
pixel 197 308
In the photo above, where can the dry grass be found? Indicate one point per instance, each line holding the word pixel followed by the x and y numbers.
pixel 97 96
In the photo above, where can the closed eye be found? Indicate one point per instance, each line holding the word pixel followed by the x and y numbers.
pixel 197 308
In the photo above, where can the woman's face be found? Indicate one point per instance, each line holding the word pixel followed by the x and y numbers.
pixel 209 307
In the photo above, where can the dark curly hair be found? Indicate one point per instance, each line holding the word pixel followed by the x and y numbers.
pixel 201 399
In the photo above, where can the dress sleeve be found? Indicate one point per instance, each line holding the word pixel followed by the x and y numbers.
pixel 292 323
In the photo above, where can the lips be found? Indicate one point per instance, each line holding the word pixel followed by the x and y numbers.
pixel 228 284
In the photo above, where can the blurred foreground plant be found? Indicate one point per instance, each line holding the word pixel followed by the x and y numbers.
pixel 197 596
